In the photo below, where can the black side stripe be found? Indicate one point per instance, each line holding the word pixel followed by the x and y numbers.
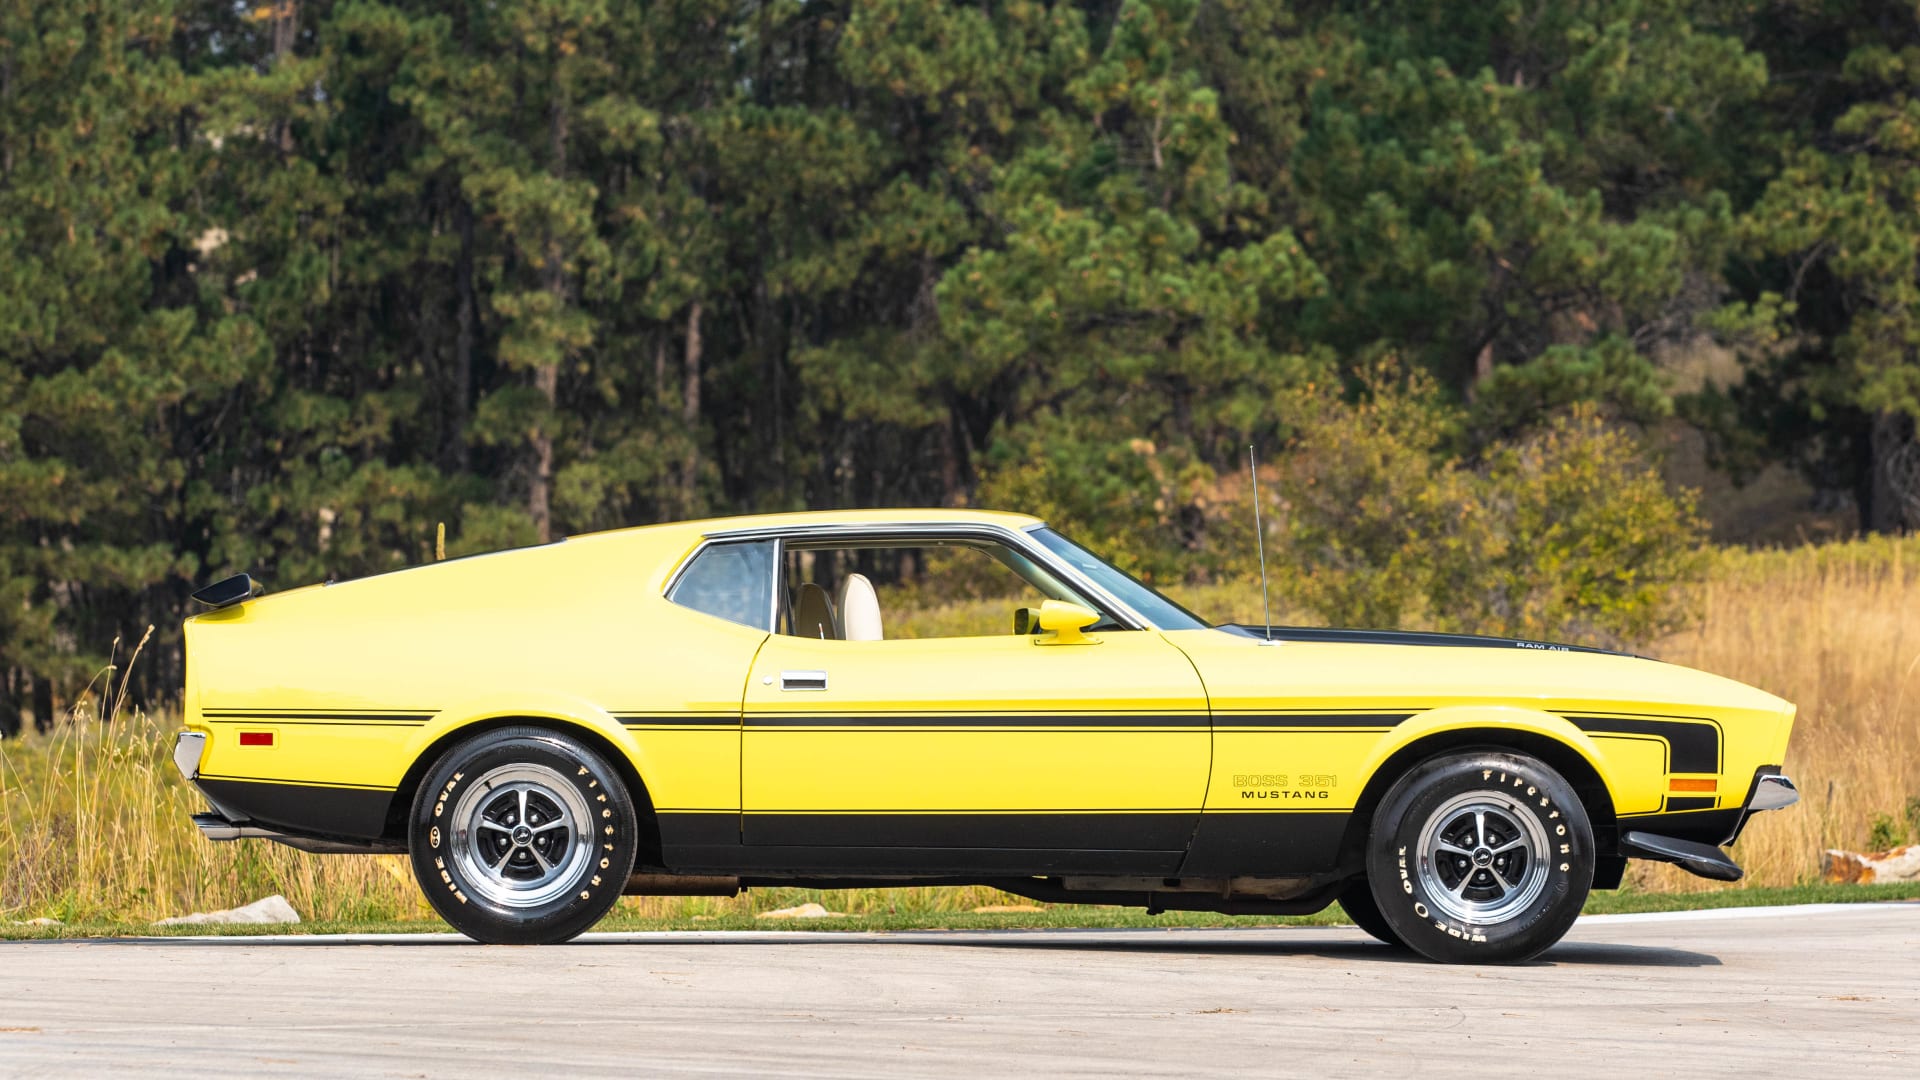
pixel 1365 721
pixel 915 720
pixel 323 718
pixel 678 721
pixel 1694 744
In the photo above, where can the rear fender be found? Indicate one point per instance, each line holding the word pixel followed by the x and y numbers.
pixel 563 710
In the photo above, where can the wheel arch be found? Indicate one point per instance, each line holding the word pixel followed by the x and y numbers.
pixel 600 733
pixel 1561 746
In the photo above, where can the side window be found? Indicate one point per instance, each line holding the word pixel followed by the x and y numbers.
pixel 876 590
pixel 731 581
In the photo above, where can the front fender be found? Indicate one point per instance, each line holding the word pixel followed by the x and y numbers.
pixel 1493 719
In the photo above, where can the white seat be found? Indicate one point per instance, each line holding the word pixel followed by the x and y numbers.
pixel 813 613
pixel 859 610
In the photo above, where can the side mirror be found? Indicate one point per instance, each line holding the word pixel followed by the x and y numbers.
pixel 1064 623
pixel 1025 621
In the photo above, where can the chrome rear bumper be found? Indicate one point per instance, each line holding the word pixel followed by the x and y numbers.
pixel 188 746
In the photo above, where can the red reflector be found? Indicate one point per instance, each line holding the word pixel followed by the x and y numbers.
pixel 256 738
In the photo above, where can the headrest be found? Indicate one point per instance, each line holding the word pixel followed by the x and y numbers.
pixel 859 609
pixel 813 613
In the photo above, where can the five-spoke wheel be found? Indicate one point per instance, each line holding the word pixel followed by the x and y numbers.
pixel 522 835
pixel 1480 856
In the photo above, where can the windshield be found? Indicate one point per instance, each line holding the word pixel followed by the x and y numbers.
pixel 1131 591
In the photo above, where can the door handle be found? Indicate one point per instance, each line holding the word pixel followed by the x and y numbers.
pixel 803 680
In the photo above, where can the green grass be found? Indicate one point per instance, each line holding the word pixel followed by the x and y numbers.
pixel 1058 917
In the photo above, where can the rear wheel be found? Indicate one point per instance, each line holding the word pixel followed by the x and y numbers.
pixel 1480 857
pixel 522 836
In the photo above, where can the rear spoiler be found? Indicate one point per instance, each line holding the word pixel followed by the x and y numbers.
pixel 226 592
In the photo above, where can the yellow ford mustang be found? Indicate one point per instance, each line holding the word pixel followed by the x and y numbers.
pixel 708 706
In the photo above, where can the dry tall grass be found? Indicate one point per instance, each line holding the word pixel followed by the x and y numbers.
pixel 1836 630
pixel 93 818
pixel 93 827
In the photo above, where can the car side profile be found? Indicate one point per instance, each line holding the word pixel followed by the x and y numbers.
pixel 704 707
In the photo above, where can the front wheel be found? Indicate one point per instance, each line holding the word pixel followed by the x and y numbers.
pixel 1480 857
pixel 1358 903
pixel 522 836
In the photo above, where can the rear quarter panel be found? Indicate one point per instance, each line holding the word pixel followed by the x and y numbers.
pixel 356 680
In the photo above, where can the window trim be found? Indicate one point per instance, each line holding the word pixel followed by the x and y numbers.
pixel 773 605
pixel 1017 539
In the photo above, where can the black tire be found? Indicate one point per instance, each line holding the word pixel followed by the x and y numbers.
pixel 522 836
pixel 1480 857
pixel 1358 902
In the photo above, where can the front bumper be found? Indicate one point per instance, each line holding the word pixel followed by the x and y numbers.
pixel 1770 790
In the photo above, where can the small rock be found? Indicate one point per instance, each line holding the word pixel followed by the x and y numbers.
pixel 273 909
pixel 1900 864
pixel 1006 909
pixel 41 921
pixel 804 911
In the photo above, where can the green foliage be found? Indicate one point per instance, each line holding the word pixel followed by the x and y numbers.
pixel 1826 314
pixel 1161 516
pixel 1372 508
pixel 288 284
pixel 1889 831
pixel 1568 533
pixel 1886 833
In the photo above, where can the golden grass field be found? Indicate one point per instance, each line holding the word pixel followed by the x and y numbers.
pixel 93 818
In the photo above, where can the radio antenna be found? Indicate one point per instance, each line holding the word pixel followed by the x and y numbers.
pixel 1260 542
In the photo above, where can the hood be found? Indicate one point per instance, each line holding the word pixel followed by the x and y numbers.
pixel 1343 636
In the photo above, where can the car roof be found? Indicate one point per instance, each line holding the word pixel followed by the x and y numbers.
pixel 814 518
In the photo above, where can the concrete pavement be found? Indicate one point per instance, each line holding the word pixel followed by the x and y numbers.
pixel 1777 991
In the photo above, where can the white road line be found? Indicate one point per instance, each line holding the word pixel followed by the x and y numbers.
pixel 1794 911
pixel 1782 911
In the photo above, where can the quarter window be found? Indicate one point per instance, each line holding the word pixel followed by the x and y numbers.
pixel 731 581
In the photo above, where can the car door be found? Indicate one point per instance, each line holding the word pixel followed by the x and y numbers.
pixel 975 753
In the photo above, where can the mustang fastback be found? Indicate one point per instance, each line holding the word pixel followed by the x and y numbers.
pixel 703 707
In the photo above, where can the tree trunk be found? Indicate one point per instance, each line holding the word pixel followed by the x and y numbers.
pixel 547 378
pixel 9 706
pixel 6 96
pixel 950 467
pixel 455 452
pixel 1884 509
pixel 286 27
pixel 660 373
pixel 690 413
pixel 42 704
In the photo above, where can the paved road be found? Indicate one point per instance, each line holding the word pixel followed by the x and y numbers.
pixel 1781 991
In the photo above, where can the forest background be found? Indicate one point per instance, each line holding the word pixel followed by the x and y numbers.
pixel 1491 288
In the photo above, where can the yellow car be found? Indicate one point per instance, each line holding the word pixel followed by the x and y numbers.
pixel 804 699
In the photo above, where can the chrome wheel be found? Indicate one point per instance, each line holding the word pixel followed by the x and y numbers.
pixel 1483 857
pixel 521 835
